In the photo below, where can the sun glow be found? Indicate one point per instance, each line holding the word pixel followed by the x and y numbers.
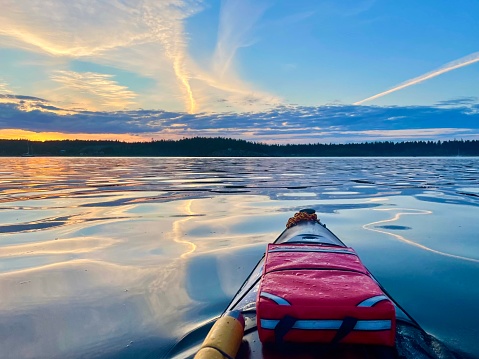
pixel 15 134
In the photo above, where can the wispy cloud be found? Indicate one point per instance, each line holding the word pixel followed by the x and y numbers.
pixel 462 101
pixel 464 61
pixel 147 38
pixel 237 21
pixel 99 86
pixel 97 30
pixel 172 37
pixel 70 29
pixel 4 89
pixel 221 88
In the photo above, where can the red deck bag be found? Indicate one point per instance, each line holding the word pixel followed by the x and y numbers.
pixel 323 294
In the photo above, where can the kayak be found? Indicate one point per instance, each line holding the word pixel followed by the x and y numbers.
pixel 239 321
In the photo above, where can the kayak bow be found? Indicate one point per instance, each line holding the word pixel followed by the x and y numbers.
pixel 226 337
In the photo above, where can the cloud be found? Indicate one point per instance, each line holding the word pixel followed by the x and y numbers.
pixel 4 88
pixel 419 133
pixel 282 124
pixel 65 29
pixel 147 38
pixel 464 61
pixel 220 88
pixel 97 30
pixel 88 27
pixel 99 86
pixel 27 104
pixel 172 37
pixel 462 101
pixel 237 21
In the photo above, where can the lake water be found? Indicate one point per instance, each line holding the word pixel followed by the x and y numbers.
pixel 120 257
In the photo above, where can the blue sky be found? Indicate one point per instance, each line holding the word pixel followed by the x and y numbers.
pixel 272 71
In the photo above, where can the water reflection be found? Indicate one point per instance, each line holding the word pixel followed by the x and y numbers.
pixel 178 235
pixel 374 226
pixel 122 256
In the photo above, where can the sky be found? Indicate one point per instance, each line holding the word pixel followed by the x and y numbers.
pixel 271 71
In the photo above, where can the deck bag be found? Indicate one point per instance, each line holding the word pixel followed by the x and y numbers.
pixel 322 294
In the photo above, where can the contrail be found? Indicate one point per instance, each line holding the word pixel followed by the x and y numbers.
pixel 464 61
pixel 169 30
pixel 185 81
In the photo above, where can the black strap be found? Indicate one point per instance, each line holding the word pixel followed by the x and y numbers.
pixel 219 350
pixel 346 327
pixel 283 327
pixel 287 322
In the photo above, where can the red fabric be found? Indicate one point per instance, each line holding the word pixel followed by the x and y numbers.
pixel 291 259
pixel 320 285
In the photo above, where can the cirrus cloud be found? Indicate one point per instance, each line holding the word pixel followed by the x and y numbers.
pixel 146 38
pixel 99 86
pixel 4 88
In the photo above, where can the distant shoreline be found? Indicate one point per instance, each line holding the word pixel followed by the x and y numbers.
pixel 227 147
pixel 216 157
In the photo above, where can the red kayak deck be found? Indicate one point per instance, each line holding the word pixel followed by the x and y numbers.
pixel 312 293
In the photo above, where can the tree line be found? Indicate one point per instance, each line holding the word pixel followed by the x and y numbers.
pixel 228 147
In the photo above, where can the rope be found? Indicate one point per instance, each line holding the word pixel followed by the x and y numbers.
pixel 299 217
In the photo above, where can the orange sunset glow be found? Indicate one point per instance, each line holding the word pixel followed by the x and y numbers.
pixel 15 134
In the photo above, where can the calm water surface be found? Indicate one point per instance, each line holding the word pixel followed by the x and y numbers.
pixel 121 257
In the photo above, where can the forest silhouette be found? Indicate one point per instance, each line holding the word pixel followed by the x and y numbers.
pixel 228 147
